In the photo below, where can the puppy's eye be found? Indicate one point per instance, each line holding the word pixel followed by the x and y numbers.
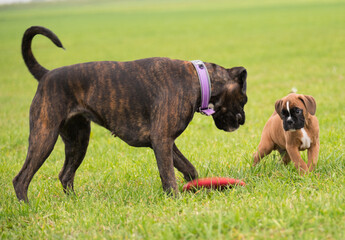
pixel 284 112
pixel 298 111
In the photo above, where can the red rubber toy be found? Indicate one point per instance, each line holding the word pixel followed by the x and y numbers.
pixel 218 183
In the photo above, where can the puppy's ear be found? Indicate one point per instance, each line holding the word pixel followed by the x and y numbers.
pixel 309 103
pixel 279 107
pixel 240 76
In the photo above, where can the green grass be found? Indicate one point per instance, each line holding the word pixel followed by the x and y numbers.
pixel 285 44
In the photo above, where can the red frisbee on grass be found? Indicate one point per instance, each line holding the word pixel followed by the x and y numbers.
pixel 219 183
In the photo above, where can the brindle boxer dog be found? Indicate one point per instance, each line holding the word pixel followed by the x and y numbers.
pixel 146 103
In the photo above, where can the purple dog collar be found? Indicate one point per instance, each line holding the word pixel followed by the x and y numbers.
pixel 205 85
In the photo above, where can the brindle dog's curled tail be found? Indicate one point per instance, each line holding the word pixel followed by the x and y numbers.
pixel 34 67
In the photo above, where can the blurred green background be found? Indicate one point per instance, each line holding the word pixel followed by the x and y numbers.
pixel 283 44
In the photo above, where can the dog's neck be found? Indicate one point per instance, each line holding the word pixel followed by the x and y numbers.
pixel 216 81
pixel 219 77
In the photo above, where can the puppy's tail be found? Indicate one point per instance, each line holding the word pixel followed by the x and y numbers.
pixel 34 67
pixel 293 90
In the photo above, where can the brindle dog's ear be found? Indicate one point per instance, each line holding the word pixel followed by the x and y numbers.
pixel 279 107
pixel 309 103
pixel 240 76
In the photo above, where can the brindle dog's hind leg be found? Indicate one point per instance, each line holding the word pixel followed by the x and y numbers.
pixel 75 134
pixel 41 142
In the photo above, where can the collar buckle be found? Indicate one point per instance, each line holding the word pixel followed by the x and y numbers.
pixel 206 111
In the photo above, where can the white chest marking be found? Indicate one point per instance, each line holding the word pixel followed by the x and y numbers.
pixel 305 140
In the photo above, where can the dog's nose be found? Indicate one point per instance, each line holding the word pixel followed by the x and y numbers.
pixel 289 121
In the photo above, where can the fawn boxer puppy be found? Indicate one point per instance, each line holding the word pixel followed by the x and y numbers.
pixel 293 127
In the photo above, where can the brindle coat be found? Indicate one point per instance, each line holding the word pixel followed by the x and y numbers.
pixel 146 103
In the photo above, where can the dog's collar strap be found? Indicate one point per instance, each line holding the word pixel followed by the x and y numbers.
pixel 205 85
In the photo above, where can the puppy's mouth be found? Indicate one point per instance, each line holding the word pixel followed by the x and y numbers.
pixel 291 130
pixel 292 127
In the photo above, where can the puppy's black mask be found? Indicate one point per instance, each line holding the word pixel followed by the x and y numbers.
pixel 293 118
